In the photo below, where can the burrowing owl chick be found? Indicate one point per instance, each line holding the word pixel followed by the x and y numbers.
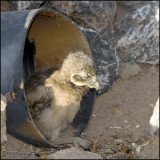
pixel 62 90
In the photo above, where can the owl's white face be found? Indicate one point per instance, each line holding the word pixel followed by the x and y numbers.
pixel 78 68
pixel 85 79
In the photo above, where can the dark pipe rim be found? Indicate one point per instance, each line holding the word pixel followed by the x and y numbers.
pixel 35 13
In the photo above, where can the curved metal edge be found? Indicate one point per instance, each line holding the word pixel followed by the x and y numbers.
pixel 24 116
pixel 85 112
pixel 88 98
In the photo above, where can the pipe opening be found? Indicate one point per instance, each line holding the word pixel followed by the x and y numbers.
pixel 50 39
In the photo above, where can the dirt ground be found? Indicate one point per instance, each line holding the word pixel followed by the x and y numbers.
pixel 119 122
pixel 123 113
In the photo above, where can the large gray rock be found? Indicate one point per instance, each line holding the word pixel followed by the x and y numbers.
pixel 105 59
pixel 131 6
pixel 3 126
pixel 74 153
pixel 97 15
pixel 24 5
pixel 136 36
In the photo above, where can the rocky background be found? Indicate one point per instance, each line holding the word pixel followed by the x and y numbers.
pixel 124 40
pixel 130 38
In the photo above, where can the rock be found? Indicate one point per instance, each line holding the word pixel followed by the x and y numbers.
pixel 136 36
pixel 154 120
pixel 5 7
pixel 109 151
pixel 3 126
pixel 105 59
pixel 116 111
pixel 120 13
pixel 97 15
pixel 24 5
pixel 74 153
pixel 128 70
pixel 153 70
pixel 118 141
pixel 131 6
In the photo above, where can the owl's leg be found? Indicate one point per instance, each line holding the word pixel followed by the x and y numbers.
pixel 75 141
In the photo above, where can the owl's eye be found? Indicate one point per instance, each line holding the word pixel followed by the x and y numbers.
pixel 78 77
pixel 84 78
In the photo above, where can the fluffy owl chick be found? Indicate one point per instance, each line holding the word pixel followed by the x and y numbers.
pixel 62 91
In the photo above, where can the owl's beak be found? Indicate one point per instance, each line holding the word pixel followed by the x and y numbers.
pixel 95 85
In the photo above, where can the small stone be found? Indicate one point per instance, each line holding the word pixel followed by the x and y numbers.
pixel 134 145
pixel 138 149
pixel 128 70
pixel 44 157
pixel 109 151
pixel 118 141
pixel 116 111
pixel 74 153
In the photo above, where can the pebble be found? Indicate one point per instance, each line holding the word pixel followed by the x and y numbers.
pixel 74 153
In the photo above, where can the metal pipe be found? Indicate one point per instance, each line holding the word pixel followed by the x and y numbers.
pixel 55 36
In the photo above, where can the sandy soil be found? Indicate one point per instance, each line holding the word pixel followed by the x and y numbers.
pixel 120 118
pixel 124 112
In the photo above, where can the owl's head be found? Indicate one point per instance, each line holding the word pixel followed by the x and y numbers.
pixel 79 69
